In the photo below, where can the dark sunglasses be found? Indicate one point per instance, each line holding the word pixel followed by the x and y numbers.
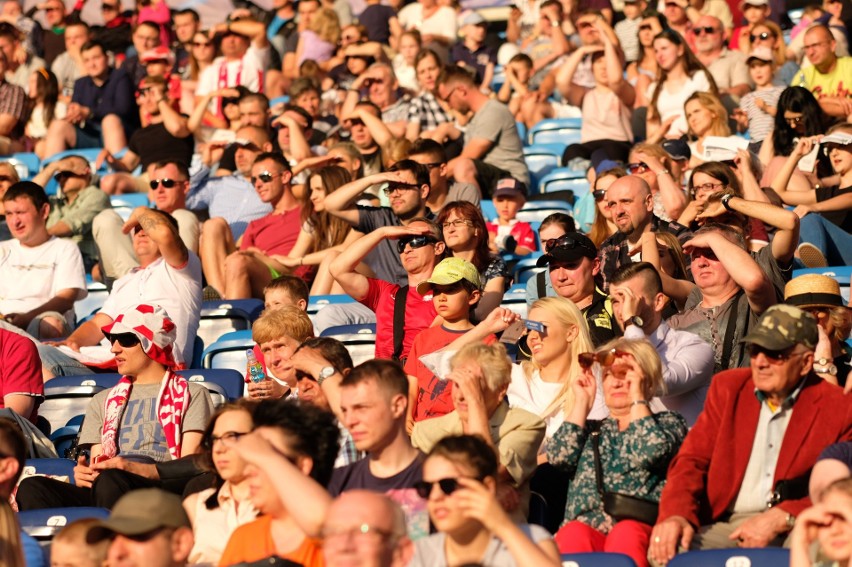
pixel 709 30
pixel 703 253
pixel 370 82
pixel 636 168
pixel 201 44
pixel 398 186
pixel 300 375
pixel 448 486
pixel 125 340
pixel 264 176
pixel 763 36
pixel 608 358
pixel 63 175
pixel 415 242
pixel 166 183
pixel 564 241
pixel 773 355
pixel 599 194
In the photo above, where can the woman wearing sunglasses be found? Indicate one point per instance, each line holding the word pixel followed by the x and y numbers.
pixel 632 449
pixel 643 72
pixel 768 34
pixel 460 485
pixel 217 511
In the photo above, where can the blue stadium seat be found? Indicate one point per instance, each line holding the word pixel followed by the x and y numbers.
pixel 44 524
pixel 597 560
pixel 229 381
pixel 516 299
pixel 361 345
pixel 94 300
pixel 362 329
pixel 227 353
pixel 522 132
pixel 524 270
pixel 542 159
pixel 564 179
pixel 488 210
pixel 91 154
pixel 63 438
pixel 124 204
pixel 68 396
pixel 52 467
pixel 222 316
pixel 317 302
pixel 545 130
pixel 539 214
pixel 26 164
pixel 767 557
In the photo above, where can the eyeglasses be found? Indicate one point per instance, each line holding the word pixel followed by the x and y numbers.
pixel 456 223
pixel 564 241
pixel 599 194
pixel 415 242
pixel 794 120
pixel 361 531
pixel 645 27
pixel 399 186
pixel 773 356
pixel 708 187
pixel 263 176
pixel 448 486
pixel 761 36
pixel 166 183
pixel 606 358
pixel 709 30
pixel 228 438
pixel 201 44
pixel 301 375
pixel 637 168
pixel 125 340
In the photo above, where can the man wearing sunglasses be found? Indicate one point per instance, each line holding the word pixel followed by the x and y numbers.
pixel 828 77
pixel 728 67
pixel 431 154
pixel 741 475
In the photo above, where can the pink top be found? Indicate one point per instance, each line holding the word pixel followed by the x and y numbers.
pixel 605 117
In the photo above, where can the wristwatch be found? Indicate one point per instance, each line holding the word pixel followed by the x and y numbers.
pixel 325 372
pixel 825 366
pixel 791 521
pixel 636 320
pixel 724 200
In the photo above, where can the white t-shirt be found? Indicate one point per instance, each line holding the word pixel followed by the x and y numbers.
pixel 247 72
pixel 534 395
pixel 671 103
pixel 30 276
pixel 178 291
pixel 442 22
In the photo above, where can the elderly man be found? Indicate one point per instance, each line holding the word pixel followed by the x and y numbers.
pixel 344 525
pixel 380 83
pixel 728 68
pixel 828 76
pixel 740 477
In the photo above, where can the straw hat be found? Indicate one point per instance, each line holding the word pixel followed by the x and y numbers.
pixel 813 290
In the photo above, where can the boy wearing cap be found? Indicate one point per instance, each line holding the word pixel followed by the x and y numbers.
pixel 456 288
pixel 507 233
pixel 757 108
pixel 147 527
pixel 740 477
pixel 471 52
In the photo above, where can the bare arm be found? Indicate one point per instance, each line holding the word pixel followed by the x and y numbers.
pixel 21 404
pixel 677 290
pixel 341 202
pixel 378 129
pixel 477 148
pixel 614 74
pixel 162 233
pixel 782 180
pixel 343 268
pixel 565 75
pixel 7 124
pixel 172 120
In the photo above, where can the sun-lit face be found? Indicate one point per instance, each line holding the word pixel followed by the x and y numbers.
pixel 704 185
pixel 445 511
pixel 317 195
pixel 574 280
pixel 699 117
pixel 427 73
pixel 278 354
pixel 667 53
pixel 760 72
pixel 840 157
pixel 261 488
pixel 276 298
pixel 458 231
pixel 408 48
pixel 554 343
pixel 228 427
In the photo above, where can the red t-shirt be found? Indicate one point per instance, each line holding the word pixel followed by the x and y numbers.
pixel 434 395
pixel 522 232
pixel 274 234
pixel 419 315
pixel 21 370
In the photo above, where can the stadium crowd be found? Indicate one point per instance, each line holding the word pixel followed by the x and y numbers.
pixel 675 377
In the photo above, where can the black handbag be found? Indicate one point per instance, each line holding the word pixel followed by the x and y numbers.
pixel 622 506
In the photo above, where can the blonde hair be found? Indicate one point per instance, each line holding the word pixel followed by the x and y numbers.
pixel 287 320
pixel 648 359
pixel 326 24
pixel 720 116
pixel 75 534
pixel 567 313
pixel 493 361
pixel 11 552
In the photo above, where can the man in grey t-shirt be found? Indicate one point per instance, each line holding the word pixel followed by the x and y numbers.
pixel 493 148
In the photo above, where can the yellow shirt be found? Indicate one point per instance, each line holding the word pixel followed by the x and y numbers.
pixel 836 83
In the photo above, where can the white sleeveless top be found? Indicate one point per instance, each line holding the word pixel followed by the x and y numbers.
pixel 213 528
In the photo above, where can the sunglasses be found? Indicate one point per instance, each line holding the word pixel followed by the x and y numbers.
pixel 708 187
pixel 794 121
pixel 300 375
pixel 125 340
pixel 703 253
pixel 398 186
pixel 599 194
pixel 777 356
pixel 201 44
pixel 166 183
pixel 415 242
pixel 709 30
pixel 448 486
pixel 63 175
pixel 263 176
pixel 645 27
pixel 761 36
pixel 607 358
pixel 564 241
pixel 637 168
pixel 370 82
pixel 826 150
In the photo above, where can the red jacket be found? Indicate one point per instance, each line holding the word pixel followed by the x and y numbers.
pixel 705 476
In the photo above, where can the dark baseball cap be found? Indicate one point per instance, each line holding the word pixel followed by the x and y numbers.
pixel 783 326
pixel 141 512
pixel 569 247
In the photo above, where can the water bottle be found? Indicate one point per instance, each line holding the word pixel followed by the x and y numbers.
pixel 255 368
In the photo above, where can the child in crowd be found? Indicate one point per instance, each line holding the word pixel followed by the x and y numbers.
pixel 380 21
pixel 508 234
pixel 810 14
pixel 69 547
pixel 472 53
pixel 757 108
pixel 456 288
pixel 515 90
pixel 754 12
pixel 627 30
pixel 828 523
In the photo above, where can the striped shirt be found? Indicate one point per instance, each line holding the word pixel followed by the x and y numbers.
pixel 760 123
pixel 627 32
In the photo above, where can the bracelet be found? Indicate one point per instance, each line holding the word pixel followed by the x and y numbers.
pixel 664 172
pixel 645 403
pixel 725 201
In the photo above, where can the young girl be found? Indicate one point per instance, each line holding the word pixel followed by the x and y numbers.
pixel 516 89
pixel 44 96
pixel 405 61
pixel 507 233
pixel 830 524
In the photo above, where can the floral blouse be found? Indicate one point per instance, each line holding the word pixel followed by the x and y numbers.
pixel 634 462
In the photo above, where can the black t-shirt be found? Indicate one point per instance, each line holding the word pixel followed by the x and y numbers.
pixel 843 219
pixel 154 143
pixel 376 18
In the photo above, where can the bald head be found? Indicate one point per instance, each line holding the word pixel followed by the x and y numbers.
pixel 819 47
pixel 631 204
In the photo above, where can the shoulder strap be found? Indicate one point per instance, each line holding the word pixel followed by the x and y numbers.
pixel 541 284
pixel 728 337
pixel 595 432
pixel 399 321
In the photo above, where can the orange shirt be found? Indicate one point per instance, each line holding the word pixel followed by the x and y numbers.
pixel 253 542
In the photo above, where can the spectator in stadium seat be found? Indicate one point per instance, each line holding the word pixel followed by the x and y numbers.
pixel 145 37
pixel 733 460
pixel 21 384
pixel 241 268
pixel 728 67
pixel 116 248
pixel 102 112
pixel 152 415
pixel 427 115
pixel 278 334
pixel 828 76
pixel 20 63
pixel 41 276
pixel 116 30
pixel 493 148
pixel 68 65
pixel 69 546
pixel 343 531
pixel 187 23
pixel 442 189
pixel 13 105
pixel 169 275
pixel 8 177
